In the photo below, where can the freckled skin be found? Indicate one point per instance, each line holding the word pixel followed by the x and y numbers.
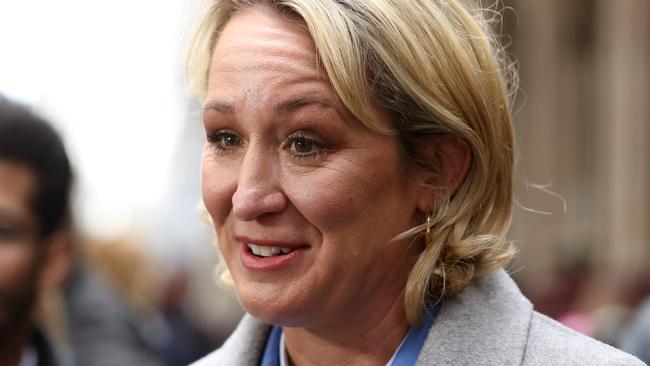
pixel 346 203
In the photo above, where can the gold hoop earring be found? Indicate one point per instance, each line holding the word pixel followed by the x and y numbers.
pixel 428 226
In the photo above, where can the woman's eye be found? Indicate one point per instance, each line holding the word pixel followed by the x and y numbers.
pixel 304 148
pixel 302 145
pixel 224 140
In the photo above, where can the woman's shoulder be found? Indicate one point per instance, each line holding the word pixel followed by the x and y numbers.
pixel 244 346
pixel 550 342
pixel 213 358
pixel 492 323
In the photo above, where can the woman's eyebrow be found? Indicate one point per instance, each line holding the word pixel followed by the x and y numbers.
pixel 218 106
pixel 293 105
pixel 285 107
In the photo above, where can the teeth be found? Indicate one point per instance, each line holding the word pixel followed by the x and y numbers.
pixel 255 249
pixel 265 251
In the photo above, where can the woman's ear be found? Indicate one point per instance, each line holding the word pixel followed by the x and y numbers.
pixel 450 157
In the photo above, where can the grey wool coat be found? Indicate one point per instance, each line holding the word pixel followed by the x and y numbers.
pixel 489 323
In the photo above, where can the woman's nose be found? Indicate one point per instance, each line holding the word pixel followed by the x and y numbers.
pixel 258 191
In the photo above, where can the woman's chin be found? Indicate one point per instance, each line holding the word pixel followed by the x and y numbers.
pixel 276 311
pixel 276 302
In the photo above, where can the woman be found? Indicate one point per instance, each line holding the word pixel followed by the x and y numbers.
pixel 358 173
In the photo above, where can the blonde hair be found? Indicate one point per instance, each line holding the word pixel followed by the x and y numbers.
pixel 435 66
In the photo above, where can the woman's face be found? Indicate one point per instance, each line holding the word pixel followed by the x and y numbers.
pixel 304 199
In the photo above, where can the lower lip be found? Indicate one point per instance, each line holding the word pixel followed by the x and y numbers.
pixel 274 263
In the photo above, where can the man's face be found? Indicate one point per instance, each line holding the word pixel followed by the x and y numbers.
pixel 19 249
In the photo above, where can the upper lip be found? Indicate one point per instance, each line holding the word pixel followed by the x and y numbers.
pixel 270 243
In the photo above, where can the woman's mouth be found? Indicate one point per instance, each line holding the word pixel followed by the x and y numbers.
pixel 268 251
pixel 260 255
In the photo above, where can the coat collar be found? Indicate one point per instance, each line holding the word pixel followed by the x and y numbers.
pixel 244 346
pixel 487 323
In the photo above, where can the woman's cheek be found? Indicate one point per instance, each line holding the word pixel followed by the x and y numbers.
pixel 328 201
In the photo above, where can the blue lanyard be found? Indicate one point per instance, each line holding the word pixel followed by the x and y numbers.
pixel 406 355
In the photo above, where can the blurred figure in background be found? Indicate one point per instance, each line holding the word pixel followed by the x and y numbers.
pixel 88 321
pixel 105 328
pixel 636 338
pixel 35 247
pixel 143 323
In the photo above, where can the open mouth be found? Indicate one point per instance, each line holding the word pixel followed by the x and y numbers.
pixel 268 251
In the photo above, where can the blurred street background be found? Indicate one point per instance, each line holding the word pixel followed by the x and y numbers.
pixel 109 75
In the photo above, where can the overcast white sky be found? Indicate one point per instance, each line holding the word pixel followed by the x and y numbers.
pixel 108 74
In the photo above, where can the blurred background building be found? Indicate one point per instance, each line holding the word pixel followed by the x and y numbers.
pixel 583 129
pixel 110 75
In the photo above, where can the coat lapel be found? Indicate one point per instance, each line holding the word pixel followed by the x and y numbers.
pixel 486 324
pixel 246 345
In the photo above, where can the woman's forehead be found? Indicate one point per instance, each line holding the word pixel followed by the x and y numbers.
pixel 260 55
pixel 265 58
pixel 261 30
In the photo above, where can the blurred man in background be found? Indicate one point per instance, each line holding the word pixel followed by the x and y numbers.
pixel 92 322
pixel 35 248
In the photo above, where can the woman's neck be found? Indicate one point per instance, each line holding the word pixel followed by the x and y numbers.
pixel 368 337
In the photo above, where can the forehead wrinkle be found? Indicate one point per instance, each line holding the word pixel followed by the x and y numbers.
pixel 238 68
pixel 266 49
pixel 242 59
pixel 256 67
pixel 266 34
pixel 276 47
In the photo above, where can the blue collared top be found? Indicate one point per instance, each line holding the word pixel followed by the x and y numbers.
pixel 406 354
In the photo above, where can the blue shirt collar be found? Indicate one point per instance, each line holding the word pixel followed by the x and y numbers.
pixel 407 353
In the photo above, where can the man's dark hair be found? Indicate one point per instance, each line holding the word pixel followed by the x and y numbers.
pixel 27 139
